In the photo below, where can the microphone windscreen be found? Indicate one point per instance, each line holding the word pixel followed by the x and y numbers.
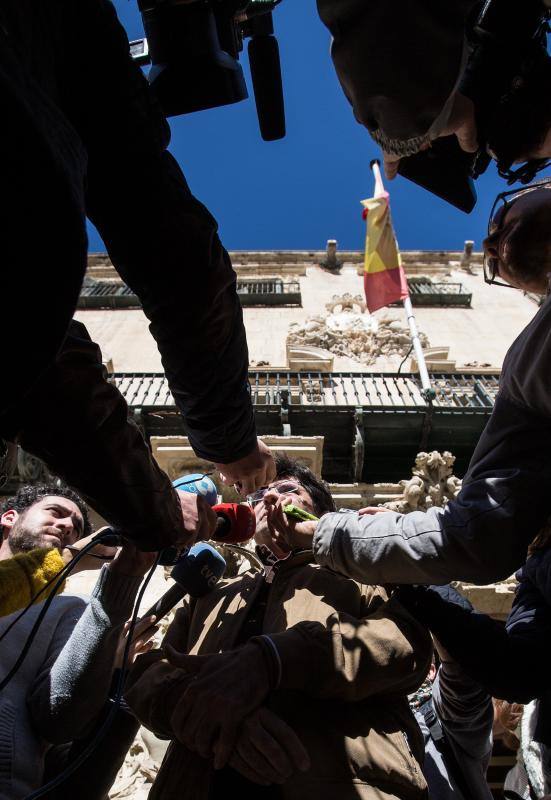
pixel 200 570
pixel 268 90
pixel 236 523
pixel 198 484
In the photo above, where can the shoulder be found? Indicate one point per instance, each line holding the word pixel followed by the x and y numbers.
pixel 524 378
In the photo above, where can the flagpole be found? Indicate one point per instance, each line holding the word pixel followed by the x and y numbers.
pixel 427 390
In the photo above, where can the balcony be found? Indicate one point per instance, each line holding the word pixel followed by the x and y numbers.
pixel 115 294
pixel 269 292
pixel 107 294
pixel 424 293
pixel 373 423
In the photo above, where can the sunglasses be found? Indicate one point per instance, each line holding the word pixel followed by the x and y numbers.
pixel 496 220
pixel 285 487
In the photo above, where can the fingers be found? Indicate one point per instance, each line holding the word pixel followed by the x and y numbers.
pixel 372 510
pixel 249 484
pixel 467 137
pixel 390 164
pixel 260 751
pixel 189 722
pixel 225 742
pixel 198 517
pixel 250 472
pixel 140 628
pixel 267 749
pixel 207 520
pixel 284 734
pixel 462 123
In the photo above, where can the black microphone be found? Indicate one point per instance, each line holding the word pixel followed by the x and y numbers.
pixel 265 66
pixel 195 574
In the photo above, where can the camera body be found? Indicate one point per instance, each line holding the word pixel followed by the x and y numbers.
pixel 507 39
pixel 194 48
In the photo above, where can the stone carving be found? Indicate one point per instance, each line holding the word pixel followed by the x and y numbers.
pixel 346 302
pixel 347 331
pixel 432 484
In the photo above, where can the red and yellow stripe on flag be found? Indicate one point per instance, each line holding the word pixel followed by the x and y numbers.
pixel 384 278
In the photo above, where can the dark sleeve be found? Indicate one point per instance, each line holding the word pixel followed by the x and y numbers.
pixel 397 62
pixel 466 712
pixel 154 687
pixel 162 240
pixel 77 423
pixel 510 663
pixel 72 685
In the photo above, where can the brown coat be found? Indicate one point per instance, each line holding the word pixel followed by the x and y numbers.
pixel 349 658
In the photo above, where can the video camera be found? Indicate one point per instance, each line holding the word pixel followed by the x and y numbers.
pixel 193 47
pixel 508 40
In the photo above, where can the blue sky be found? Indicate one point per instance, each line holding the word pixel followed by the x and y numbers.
pixel 297 193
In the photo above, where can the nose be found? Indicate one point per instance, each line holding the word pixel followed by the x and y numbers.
pixel 270 496
pixel 66 526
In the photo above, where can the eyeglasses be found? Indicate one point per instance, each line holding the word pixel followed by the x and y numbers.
pixel 285 487
pixel 501 206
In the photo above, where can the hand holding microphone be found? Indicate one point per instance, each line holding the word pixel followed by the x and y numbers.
pixel 229 523
pixel 250 472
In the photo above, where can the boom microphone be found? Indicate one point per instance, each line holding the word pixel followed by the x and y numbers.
pixel 195 574
pixel 266 74
pixel 236 523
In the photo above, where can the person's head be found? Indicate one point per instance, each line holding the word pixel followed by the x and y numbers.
pixel 301 486
pixel 42 516
pixel 518 245
pixel 519 128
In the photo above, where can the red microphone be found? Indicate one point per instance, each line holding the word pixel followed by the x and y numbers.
pixel 236 523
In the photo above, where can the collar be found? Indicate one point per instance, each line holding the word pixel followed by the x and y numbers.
pixel 273 564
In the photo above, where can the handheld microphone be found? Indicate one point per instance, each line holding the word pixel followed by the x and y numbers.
pixel 195 574
pixel 198 484
pixel 236 523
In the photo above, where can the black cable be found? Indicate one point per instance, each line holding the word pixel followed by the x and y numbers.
pixel 64 571
pixel 404 360
pixel 55 782
pixel 47 603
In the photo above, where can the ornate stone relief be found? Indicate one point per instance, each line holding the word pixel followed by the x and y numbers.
pixel 432 484
pixel 346 330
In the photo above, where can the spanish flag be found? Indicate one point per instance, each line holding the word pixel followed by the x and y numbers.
pixel 384 278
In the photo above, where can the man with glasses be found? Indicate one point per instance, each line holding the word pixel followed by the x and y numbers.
pixel 332 658
pixel 483 535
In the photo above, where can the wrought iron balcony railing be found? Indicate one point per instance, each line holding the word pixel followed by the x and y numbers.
pixel 269 292
pixel 386 391
pixel 373 424
pixel 115 294
pixel 426 293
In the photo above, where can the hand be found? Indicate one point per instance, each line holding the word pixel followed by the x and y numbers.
pixel 199 518
pixel 94 559
pixel 131 561
pixel 461 122
pixel 142 640
pixel 251 472
pixel 287 532
pixel 268 750
pixel 372 510
pixel 228 687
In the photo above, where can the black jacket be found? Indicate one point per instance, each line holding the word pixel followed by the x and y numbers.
pixel 82 135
